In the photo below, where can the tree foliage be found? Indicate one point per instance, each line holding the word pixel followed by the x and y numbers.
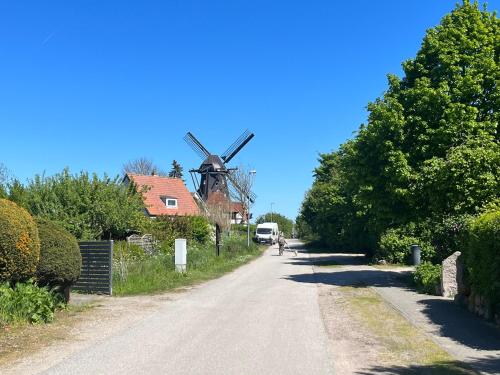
pixel 19 243
pixel 143 166
pixel 4 175
pixel 87 206
pixel 60 260
pixel 176 171
pixel 285 225
pixel 430 148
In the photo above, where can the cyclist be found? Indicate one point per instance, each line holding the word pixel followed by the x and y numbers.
pixel 281 242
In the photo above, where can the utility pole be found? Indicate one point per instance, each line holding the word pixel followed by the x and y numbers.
pixel 272 212
pixel 252 175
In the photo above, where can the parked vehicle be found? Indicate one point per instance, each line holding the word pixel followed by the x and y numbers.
pixel 267 233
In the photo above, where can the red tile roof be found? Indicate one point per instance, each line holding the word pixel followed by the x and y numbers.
pixel 158 187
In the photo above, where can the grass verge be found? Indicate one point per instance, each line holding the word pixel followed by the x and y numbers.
pixel 402 346
pixel 157 273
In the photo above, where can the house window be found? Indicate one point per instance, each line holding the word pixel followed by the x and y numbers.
pixel 170 202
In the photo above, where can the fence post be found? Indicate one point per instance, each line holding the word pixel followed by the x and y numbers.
pixel 111 245
pixel 180 254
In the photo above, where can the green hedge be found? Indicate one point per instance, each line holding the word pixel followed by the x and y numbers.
pixel 60 259
pixel 19 243
pixel 482 255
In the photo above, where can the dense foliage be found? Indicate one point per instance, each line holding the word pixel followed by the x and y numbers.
pixel 167 228
pixel 482 255
pixel 60 260
pixel 285 225
pixel 19 243
pixel 176 171
pixel 87 206
pixel 27 303
pixel 429 153
pixel 427 277
pixel 136 273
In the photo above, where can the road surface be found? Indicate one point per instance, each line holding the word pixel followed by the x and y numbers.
pixel 252 321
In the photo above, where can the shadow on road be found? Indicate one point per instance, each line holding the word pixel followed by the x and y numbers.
pixel 461 325
pixel 452 320
pixel 358 278
pixel 488 365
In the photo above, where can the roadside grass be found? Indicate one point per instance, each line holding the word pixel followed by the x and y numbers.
pixel 157 273
pixel 401 344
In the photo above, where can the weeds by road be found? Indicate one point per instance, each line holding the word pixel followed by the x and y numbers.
pixel 157 273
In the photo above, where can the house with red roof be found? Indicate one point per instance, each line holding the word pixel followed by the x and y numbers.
pixel 164 195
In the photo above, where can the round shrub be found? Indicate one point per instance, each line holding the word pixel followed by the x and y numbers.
pixel 60 259
pixel 19 243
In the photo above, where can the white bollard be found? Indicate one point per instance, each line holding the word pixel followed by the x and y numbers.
pixel 180 254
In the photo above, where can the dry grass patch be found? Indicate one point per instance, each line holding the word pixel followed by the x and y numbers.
pixel 17 341
pixel 400 343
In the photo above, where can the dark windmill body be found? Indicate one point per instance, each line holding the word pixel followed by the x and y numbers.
pixel 216 179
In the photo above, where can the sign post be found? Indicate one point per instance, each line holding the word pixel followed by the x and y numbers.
pixel 180 255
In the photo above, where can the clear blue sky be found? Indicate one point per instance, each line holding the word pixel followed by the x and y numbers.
pixel 93 84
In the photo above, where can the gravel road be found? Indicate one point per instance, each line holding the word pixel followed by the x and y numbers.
pixel 252 321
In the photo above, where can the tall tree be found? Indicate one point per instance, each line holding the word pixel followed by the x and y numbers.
pixel 142 166
pixel 176 170
pixel 244 179
pixel 285 225
pixel 430 147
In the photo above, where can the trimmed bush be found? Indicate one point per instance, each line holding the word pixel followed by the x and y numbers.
pixel 427 277
pixel 19 243
pixel 394 245
pixel 482 255
pixel 60 259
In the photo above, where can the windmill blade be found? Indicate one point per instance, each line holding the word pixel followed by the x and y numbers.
pixel 196 146
pixel 237 146
pixel 250 195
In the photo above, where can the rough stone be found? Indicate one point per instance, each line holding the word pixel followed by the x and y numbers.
pixel 452 275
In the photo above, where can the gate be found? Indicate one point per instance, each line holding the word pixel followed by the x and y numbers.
pixel 97 267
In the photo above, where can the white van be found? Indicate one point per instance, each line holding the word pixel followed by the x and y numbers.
pixel 267 232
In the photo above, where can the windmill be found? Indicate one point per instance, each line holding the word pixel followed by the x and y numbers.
pixel 216 179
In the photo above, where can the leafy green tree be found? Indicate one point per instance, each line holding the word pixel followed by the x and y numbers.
pixel 176 170
pixel 87 206
pixel 430 147
pixel 285 224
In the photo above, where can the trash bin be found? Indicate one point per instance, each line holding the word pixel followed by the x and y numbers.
pixel 415 254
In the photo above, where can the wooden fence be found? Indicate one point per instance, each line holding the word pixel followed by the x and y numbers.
pixel 97 267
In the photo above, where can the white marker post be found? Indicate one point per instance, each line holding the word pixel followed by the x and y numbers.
pixel 180 255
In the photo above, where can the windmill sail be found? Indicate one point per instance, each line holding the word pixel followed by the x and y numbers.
pixel 237 146
pixel 196 146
